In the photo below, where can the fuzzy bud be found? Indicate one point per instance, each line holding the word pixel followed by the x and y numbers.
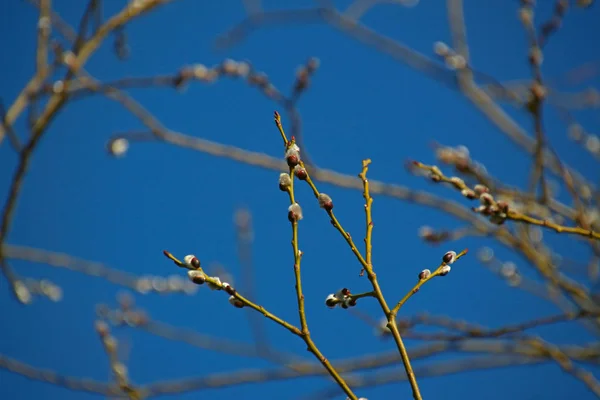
pixel 441 49
pixel 486 199
pixel 424 274
pixel 292 155
pixel 235 302
pixel 300 172
pixel 215 286
pixel 191 261
pixel 457 182
pixel 480 189
pixel 445 270
pixel 331 301
pixel 228 288
pixel 197 277
pixel 349 302
pixel 229 67
pixel 325 202
pixel 102 328
pixel 117 147
pixel 502 206
pixel 449 257
pixel 425 231
pixel 295 212
pixel 284 182
pixel 435 177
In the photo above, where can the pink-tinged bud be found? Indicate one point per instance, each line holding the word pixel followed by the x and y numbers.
pixel 292 160
pixel 445 270
pixel 295 212
pixel 325 202
pixel 197 277
pixel 331 301
pixel 236 302
pixel 449 257
pixel 292 155
pixel 285 182
pixel 424 274
pixel 300 172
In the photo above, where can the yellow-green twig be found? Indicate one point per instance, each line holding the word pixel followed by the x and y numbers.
pixel 305 335
pixel 245 301
pixel 421 282
pixel 367 266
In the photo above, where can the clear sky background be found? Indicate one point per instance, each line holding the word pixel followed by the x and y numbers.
pixel 124 212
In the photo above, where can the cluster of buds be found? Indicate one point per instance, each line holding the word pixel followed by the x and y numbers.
pixel 122 317
pixel 342 297
pixel 451 58
pixel 303 74
pixel 161 284
pixel 199 277
pixel 458 156
pixel 214 283
pixel 447 259
pixel 203 73
pixel 234 68
pixel 496 210
pixel 228 68
pixel 510 273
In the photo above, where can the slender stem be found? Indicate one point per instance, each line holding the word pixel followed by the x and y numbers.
pixel 305 334
pixel 368 213
pixel 368 267
pixel 421 282
pixel 238 296
pixel 366 263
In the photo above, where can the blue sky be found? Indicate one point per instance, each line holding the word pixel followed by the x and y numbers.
pixel 361 104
